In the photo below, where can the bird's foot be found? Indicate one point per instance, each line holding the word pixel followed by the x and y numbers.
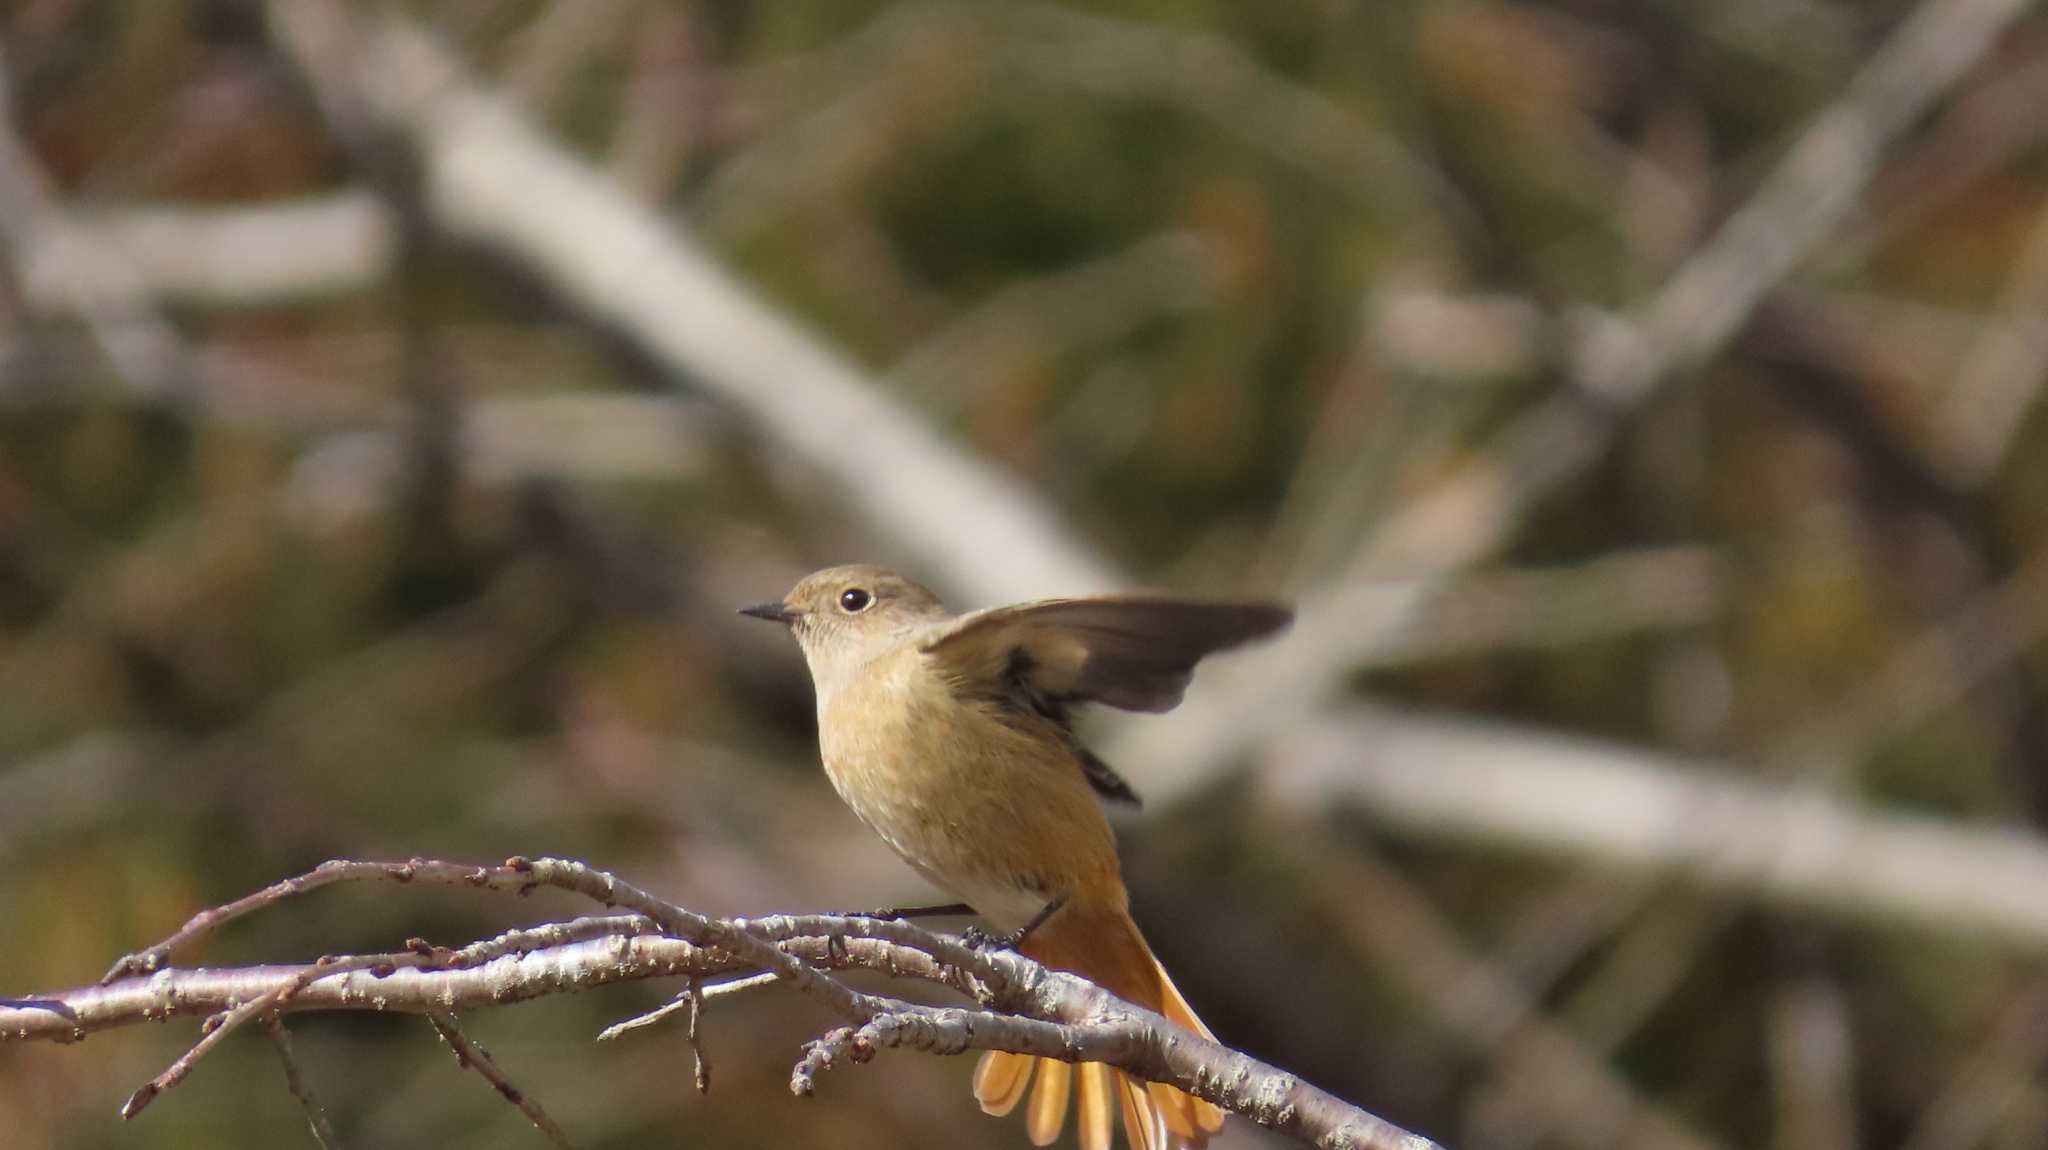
pixel 978 939
pixel 975 938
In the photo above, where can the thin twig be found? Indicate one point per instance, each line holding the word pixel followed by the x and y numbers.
pixel 478 1059
pixel 667 1010
pixel 735 986
pixel 316 1117
pixel 694 993
pixel 151 958
pixel 692 1000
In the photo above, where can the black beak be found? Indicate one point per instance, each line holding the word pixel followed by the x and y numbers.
pixel 773 612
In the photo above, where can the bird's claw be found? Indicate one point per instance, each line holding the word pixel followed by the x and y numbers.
pixel 975 938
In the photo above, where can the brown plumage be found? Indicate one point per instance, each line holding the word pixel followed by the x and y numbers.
pixel 951 738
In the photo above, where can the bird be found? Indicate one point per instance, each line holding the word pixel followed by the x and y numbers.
pixel 951 736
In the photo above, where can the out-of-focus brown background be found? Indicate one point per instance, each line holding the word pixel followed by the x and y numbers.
pixel 1639 399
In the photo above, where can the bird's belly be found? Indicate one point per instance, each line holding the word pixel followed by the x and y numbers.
pixel 1003 822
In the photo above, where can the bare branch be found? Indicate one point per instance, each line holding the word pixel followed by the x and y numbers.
pixel 687 1000
pixel 694 994
pixel 1141 1042
pixel 734 986
pixel 73 1015
pixel 476 1058
pixel 752 942
pixel 427 871
pixel 316 1118
pixel 1063 1016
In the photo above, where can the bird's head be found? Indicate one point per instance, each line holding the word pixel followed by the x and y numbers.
pixel 847 615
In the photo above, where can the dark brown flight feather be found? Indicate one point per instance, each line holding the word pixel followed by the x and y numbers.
pixel 1134 653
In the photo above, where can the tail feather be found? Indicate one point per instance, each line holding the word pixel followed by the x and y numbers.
pixel 1048 1112
pixel 1141 1123
pixel 1103 945
pixel 999 1080
pixel 1174 1112
pixel 1206 1116
pixel 1097 1122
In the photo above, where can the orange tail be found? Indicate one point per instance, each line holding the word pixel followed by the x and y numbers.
pixel 1103 945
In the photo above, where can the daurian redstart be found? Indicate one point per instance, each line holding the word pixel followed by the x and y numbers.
pixel 949 735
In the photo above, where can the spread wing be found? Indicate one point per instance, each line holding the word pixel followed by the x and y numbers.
pixel 1135 653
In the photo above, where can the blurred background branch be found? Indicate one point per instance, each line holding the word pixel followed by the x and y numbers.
pixel 395 400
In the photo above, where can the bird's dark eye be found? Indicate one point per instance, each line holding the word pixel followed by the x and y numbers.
pixel 853 600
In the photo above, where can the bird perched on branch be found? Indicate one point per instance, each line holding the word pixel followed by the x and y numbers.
pixel 950 737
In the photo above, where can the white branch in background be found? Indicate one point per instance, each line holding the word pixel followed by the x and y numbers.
pixel 1511 785
pixel 491 179
pixel 588 438
pixel 69 268
pixel 250 255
